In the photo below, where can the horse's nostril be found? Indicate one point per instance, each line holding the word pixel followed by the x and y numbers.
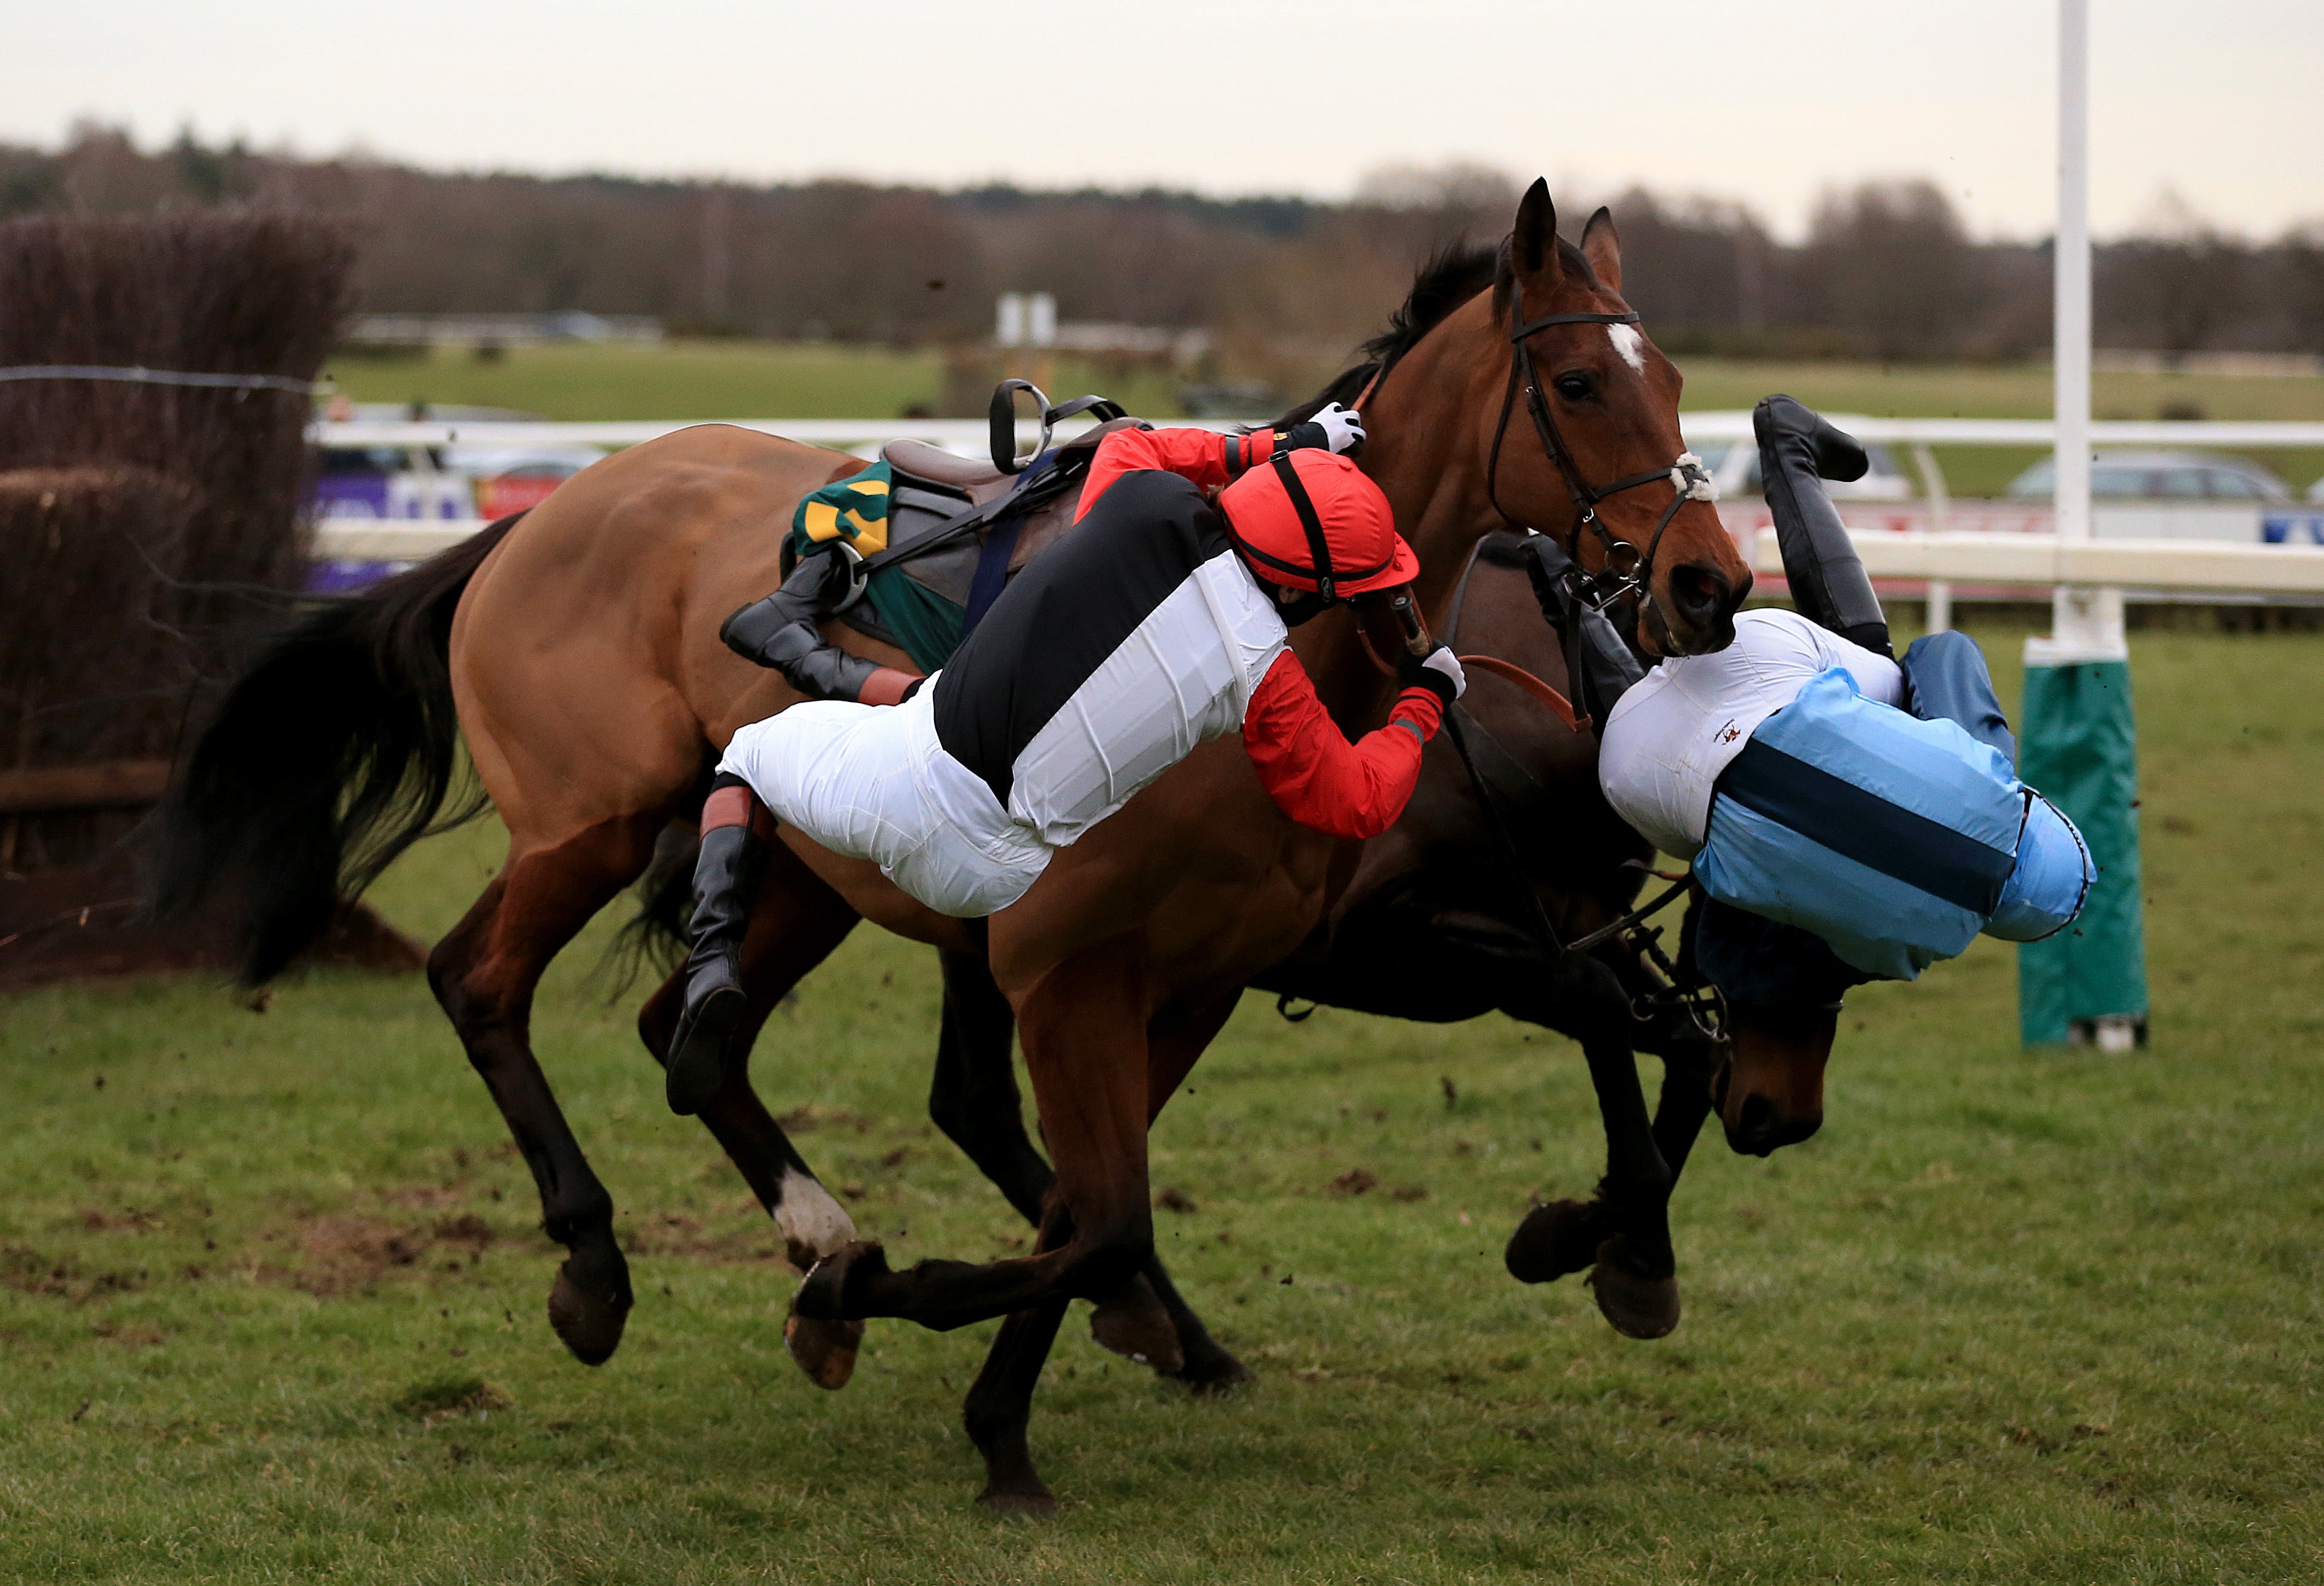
pixel 1702 594
pixel 1756 1132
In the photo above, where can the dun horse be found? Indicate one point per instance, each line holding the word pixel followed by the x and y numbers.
pixel 578 649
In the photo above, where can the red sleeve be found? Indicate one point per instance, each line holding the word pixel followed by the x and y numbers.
pixel 1203 456
pixel 1315 776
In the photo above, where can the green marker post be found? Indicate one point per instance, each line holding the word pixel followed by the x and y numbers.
pixel 2079 744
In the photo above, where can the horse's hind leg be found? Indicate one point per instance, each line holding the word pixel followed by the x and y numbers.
pixel 796 923
pixel 484 974
pixel 973 1100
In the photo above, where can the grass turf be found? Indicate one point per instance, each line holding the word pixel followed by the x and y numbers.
pixel 759 379
pixel 698 380
pixel 271 1291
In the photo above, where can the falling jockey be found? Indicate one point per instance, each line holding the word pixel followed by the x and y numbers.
pixel 1850 818
pixel 1160 623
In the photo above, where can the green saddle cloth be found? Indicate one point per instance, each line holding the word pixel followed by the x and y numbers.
pixel 854 512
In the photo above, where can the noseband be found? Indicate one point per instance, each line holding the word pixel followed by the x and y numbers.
pixel 1627 570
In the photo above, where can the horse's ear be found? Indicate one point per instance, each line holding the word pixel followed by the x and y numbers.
pixel 1603 249
pixel 1535 237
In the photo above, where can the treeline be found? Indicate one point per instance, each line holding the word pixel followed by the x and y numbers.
pixel 1887 271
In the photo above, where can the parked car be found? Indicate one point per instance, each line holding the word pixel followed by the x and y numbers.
pixel 2159 477
pixel 1734 467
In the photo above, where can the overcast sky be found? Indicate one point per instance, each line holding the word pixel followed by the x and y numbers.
pixel 1761 100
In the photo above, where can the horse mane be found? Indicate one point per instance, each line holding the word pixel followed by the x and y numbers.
pixel 1452 276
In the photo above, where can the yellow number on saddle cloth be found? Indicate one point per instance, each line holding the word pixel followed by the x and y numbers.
pixel 853 510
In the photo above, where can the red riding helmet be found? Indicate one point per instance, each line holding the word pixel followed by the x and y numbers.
pixel 1308 520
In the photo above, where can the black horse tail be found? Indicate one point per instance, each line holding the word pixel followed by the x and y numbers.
pixel 330 755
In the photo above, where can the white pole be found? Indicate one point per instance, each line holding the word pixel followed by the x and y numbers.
pixel 2073 328
pixel 2086 623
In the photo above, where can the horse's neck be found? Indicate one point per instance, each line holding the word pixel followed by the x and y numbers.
pixel 1424 418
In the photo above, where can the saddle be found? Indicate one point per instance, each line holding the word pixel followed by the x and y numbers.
pixel 958 529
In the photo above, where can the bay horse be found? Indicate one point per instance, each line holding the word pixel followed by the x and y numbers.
pixel 576 651
pixel 1458 910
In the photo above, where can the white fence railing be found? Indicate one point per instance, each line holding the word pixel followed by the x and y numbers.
pixel 968 436
pixel 2032 560
pixel 2044 561
pixel 1895 551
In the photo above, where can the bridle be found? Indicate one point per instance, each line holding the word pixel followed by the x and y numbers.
pixel 1627 570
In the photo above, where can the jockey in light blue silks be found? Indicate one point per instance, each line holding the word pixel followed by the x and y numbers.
pixel 1850 818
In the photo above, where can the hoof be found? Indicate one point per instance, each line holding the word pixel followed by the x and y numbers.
pixel 1033 1502
pixel 1133 1323
pixel 1214 1373
pixel 825 1350
pixel 1554 1240
pixel 833 1287
pixel 1638 1306
pixel 590 1323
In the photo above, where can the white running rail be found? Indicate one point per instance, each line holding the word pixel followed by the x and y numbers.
pixel 2028 560
pixel 968 436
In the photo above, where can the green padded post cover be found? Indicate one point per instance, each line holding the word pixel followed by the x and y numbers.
pixel 2078 745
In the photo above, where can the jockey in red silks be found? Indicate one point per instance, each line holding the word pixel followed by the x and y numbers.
pixel 1159 622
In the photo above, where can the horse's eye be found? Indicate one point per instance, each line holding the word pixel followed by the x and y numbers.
pixel 1573 388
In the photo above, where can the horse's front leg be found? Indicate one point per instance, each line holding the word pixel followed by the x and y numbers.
pixel 1083 1024
pixel 973 1100
pixel 1622 1233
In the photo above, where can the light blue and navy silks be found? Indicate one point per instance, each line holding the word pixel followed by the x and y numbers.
pixel 1893 838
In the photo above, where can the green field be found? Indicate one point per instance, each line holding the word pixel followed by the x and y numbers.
pixel 760 380
pixel 270 1289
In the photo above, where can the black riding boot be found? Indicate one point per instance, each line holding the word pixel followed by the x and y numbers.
pixel 725 884
pixel 781 632
pixel 1799 450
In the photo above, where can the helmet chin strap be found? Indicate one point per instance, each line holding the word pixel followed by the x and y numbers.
pixel 1318 549
pixel 1319 569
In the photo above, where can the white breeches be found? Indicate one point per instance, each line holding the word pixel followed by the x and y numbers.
pixel 873 782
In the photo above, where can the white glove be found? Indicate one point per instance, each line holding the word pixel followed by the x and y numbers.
pixel 1442 660
pixel 1439 672
pixel 1341 429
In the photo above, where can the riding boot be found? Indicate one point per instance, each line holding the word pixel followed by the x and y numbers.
pixel 734 832
pixel 1799 450
pixel 781 632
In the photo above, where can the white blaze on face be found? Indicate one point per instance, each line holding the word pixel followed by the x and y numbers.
pixel 1630 344
pixel 809 1218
